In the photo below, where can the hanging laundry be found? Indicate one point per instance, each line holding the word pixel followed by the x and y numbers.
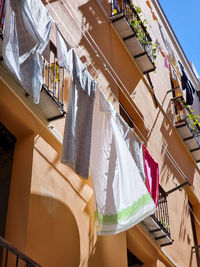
pixel 133 143
pixel 171 56
pixel 173 73
pixel 187 85
pixel 152 175
pixel 115 7
pixel 166 64
pixel 26 34
pixel 64 52
pixel 154 16
pixel 160 48
pixel 122 198
pixel 162 53
pixel 78 124
pixel 175 80
pixel 149 4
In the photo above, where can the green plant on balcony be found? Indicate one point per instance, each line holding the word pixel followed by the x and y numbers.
pixel 193 118
pixel 136 24
pixel 164 224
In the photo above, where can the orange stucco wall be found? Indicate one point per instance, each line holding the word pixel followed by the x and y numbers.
pixel 51 209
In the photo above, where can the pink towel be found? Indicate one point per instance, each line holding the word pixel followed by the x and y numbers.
pixel 166 62
pixel 151 170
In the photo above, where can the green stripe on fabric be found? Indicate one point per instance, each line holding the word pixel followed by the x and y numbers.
pixel 125 213
pixel 120 229
pixel 96 215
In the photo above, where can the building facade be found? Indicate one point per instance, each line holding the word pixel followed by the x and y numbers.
pixel 47 210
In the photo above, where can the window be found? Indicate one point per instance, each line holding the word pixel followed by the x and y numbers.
pixel 133 261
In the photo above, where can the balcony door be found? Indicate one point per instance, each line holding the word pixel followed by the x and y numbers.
pixel 194 233
pixel 7 144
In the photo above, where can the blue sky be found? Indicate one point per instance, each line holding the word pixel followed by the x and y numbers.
pixel 184 17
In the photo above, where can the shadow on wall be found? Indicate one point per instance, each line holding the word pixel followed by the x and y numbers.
pixel 96 23
pixel 177 150
pixel 52 165
pixel 185 226
pixel 53 236
pixel 98 254
pixel 99 28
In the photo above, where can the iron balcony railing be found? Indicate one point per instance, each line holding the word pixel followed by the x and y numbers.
pixel 182 113
pixel 188 126
pixel 11 256
pixel 128 9
pixel 52 94
pixel 54 77
pixel 161 216
pixel 158 223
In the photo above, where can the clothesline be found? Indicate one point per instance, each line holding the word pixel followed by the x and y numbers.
pixel 125 209
pixel 138 129
pixel 126 203
pixel 193 213
pixel 39 68
pixel 168 153
pixel 101 135
pixel 164 147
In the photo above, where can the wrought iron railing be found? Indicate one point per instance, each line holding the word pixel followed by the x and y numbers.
pixel 11 256
pixel 53 74
pixel 182 113
pixel 54 77
pixel 161 216
pixel 130 11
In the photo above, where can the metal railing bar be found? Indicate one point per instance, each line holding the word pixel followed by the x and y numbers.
pixel 54 77
pixel 6 259
pixel 63 87
pixel 17 260
pixel 16 252
pixel 161 215
pixel 59 85
pixel 49 72
pixel 43 70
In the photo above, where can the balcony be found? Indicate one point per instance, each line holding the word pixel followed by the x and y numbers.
pixel 187 126
pixel 51 103
pixel 11 256
pixel 52 94
pixel 133 32
pixel 158 223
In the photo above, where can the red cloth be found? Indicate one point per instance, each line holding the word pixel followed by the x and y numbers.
pixel 151 171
